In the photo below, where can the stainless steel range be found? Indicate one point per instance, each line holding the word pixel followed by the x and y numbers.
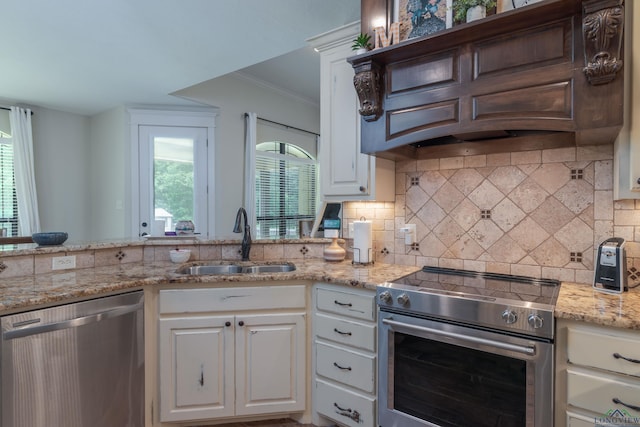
pixel 462 348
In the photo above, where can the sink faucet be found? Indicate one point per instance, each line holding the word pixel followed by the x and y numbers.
pixel 246 237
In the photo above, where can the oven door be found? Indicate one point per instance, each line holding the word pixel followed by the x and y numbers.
pixel 439 374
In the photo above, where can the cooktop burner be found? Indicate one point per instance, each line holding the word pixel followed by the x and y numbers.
pixel 518 304
pixel 489 285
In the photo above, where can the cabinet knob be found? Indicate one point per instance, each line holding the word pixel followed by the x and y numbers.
pixel 227 324
pixel 241 323
pixel 363 189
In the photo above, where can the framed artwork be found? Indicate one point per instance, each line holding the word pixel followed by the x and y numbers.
pixel 419 18
pixel 504 5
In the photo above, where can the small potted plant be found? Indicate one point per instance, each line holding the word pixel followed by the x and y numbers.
pixel 470 10
pixel 362 43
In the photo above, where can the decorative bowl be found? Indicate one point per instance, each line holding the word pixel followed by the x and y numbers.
pixel 51 238
pixel 185 227
pixel 180 255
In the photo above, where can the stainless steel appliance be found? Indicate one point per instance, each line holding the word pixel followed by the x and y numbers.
pixel 75 365
pixel 611 266
pixel 463 348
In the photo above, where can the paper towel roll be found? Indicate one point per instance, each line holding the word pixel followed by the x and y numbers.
pixel 362 241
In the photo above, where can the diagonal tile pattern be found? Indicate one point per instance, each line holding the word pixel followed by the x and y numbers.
pixel 540 212
pixel 534 211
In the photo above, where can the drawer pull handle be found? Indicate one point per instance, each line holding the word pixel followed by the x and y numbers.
pixel 619 356
pixel 340 332
pixel 349 413
pixel 344 304
pixel 620 402
pixel 348 368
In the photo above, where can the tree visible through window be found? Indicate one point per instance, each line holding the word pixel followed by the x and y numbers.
pixel 285 189
pixel 8 199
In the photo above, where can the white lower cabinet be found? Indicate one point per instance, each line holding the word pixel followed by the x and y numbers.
pixel 231 360
pixel 344 364
pixel 598 374
pixel 196 368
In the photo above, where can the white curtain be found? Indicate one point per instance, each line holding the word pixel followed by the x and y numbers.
pixel 22 141
pixel 251 123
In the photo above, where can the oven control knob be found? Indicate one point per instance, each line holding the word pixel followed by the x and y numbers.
pixel 535 321
pixel 403 299
pixel 509 316
pixel 385 297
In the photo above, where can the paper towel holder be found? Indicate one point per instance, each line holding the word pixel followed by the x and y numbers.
pixel 369 253
pixel 354 262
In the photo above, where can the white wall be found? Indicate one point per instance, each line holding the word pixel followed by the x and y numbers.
pixel 60 158
pixel 234 96
pixel 109 175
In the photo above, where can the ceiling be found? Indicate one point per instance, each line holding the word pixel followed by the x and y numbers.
pixel 88 56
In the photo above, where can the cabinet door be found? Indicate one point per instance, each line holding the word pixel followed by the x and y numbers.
pixel 196 368
pixel 344 170
pixel 270 363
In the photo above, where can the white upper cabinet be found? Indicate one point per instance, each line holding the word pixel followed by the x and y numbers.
pixel 345 173
pixel 627 146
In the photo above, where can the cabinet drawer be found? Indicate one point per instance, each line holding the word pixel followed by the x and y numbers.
pixel 347 367
pixel 344 406
pixel 227 299
pixel 578 420
pixel 343 331
pixel 595 348
pixel 595 392
pixel 359 306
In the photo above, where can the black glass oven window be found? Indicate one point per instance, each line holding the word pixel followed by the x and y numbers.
pixel 454 386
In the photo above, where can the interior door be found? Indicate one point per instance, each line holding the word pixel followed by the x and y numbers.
pixel 173 178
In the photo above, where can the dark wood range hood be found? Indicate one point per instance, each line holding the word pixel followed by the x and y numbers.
pixel 546 75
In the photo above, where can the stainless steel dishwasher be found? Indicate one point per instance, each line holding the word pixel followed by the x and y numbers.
pixel 75 365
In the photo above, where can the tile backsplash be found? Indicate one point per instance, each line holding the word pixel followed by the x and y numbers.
pixel 539 213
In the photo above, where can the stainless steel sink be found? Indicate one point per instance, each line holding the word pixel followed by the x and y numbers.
pixel 236 269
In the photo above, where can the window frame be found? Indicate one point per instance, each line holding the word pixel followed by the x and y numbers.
pixel 205 117
pixel 8 140
pixel 283 157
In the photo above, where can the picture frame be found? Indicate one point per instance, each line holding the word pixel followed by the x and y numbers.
pixel 505 5
pixel 419 18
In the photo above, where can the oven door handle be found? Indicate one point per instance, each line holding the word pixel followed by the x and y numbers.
pixel 528 350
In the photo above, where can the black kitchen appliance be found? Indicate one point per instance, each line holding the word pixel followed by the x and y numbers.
pixel 611 266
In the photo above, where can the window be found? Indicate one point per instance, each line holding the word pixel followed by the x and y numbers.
pixel 8 199
pixel 285 189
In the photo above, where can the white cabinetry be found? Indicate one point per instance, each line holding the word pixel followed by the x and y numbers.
pixel 627 146
pixel 346 173
pixel 598 373
pixel 344 324
pixel 224 352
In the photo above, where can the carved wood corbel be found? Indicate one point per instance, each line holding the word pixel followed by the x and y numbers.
pixel 367 82
pixel 602 30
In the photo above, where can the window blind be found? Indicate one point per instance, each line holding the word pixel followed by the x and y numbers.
pixel 285 191
pixel 8 199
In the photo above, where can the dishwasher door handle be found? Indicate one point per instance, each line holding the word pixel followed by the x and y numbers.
pixel 72 323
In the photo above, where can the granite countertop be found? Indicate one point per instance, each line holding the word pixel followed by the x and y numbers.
pixel 29 292
pixel 583 303
pixel 575 301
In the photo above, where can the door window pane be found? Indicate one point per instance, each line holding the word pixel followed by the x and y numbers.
pixel 173 180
